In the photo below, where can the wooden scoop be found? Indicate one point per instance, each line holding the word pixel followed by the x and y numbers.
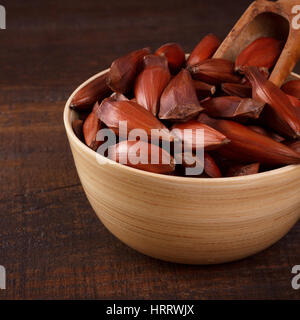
pixel 280 20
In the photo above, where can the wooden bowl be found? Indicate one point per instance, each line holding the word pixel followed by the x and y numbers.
pixel 187 220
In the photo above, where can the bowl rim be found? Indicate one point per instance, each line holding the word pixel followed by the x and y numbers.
pixel 84 148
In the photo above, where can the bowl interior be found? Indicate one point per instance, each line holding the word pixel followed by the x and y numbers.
pixel 70 115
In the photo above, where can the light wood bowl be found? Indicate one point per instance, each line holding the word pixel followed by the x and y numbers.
pixel 187 220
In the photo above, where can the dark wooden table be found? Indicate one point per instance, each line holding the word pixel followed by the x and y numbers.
pixel 51 242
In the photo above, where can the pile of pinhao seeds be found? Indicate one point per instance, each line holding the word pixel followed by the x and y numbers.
pixel 250 125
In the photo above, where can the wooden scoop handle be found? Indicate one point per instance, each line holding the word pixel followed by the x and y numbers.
pixel 289 9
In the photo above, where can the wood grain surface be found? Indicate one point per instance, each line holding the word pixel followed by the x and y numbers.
pixel 51 242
